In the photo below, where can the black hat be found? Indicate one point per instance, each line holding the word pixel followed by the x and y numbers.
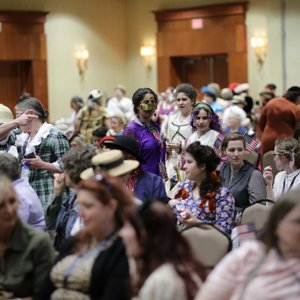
pixel 125 143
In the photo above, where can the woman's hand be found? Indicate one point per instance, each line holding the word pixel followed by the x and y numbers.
pixel 59 184
pixel 25 118
pixel 188 219
pixel 35 163
pixel 268 175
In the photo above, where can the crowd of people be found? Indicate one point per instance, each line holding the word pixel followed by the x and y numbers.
pixel 94 206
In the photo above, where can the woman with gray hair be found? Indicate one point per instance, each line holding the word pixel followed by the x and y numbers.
pixel 270 266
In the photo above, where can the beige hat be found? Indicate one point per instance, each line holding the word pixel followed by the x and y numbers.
pixel 5 114
pixel 112 162
pixel 237 99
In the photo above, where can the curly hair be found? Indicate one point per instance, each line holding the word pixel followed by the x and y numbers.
pixel 215 122
pixel 139 95
pixel 206 155
pixel 76 160
pixel 161 243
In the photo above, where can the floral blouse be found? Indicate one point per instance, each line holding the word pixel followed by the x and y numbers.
pixel 222 213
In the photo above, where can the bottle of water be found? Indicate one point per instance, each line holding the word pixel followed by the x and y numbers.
pixel 25 171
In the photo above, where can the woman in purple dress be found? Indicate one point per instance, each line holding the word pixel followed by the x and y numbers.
pixel 146 132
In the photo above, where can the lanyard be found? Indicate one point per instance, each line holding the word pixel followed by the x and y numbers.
pixel 292 183
pixel 83 256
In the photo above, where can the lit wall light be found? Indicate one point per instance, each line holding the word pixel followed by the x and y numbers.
pixel 148 53
pixel 81 57
pixel 259 44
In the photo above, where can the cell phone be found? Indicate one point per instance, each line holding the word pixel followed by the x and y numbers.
pixel 30 155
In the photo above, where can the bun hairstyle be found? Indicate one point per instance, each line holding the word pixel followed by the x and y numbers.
pixel 33 104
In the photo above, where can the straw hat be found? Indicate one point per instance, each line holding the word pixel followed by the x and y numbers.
pixel 5 114
pixel 112 162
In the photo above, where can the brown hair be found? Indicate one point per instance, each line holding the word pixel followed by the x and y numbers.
pixel 283 205
pixel 234 136
pixel 161 243
pixel 285 147
pixel 105 189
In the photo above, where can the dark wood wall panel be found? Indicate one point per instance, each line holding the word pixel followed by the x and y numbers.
pixel 23 44
pixel 223 32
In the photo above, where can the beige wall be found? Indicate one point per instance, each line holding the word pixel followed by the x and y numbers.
pixel 114 31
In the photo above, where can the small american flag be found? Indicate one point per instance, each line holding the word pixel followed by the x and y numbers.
pixel 251 143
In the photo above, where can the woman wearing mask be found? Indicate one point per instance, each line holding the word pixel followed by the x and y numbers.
pixel 161 261
pixel 146 132
pixel 40 145
pixel 93 264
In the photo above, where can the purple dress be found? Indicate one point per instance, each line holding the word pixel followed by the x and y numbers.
pixel 151 149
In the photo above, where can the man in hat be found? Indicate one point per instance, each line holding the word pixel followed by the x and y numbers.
pixel 119 105
pixel 91 116
pixel 145 185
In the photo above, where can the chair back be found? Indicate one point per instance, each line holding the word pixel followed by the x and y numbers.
pixel 268 160
pixel 209 244
pixel 257 213
pixel 252 157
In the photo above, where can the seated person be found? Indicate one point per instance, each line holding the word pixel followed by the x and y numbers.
pixel 202 198
pixel 287 161
pixel 26 252
pixel 30 209
pixel 242 178
pixel 145 185
pixel 264 269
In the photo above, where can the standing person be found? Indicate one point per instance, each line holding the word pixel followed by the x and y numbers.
pixel 279 118
pixel 244 180
pixel 146 132
pixel 287 162
pixel 91 116
pixel 202 197
pixel 163 265
pixel 30 209
pixel 264 269
pixel 120 104
pixel 26 253
pixel 41 146
pixel 93 264
pixel 179 125
pixel 207 127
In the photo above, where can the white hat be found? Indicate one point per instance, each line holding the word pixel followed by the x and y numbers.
pixel 5 114
pixel 243 87
pixel 95 95
pixel 112 162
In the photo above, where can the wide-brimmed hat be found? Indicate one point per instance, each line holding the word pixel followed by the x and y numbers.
pixel 111 162
pixel 125 143
pixel 243 87
pixel 5 114
pixel 237 99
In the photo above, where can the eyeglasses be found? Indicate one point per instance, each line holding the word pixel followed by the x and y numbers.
pixel 274 154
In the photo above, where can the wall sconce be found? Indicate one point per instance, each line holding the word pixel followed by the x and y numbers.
pixel 259 44
pixel 81 57
pixel 148 53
